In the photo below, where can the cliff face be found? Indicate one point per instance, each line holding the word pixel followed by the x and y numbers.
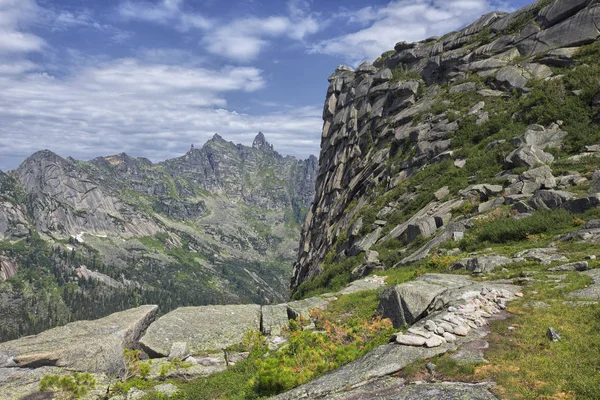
pixel 218 225
pixel 384 122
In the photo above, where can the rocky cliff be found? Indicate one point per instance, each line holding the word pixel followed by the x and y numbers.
pixel 404 137
pixel 218 225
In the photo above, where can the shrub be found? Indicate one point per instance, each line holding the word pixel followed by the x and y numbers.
pixel 68 387
pixel 507 229
pixel 310 354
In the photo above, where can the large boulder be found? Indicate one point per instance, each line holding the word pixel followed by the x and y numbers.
pixel 540 137
pixel 204 329
pixel 534 179
pixel 528 156
pixel 91 346
pixel 549 199
pixel 583 204
pixel 274 319
pixel 406 303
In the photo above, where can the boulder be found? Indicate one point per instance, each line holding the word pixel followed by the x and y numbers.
pixel 406 303
pixel 549 199
pixel 485 264
pixel 528 156
pixel 540 137
pixel 88 346
pixel 541 177
pixel 274 319
pixel 512 78
pixel 383 75
pixel 365 243
pixel 481 192
pixel 204 329
pixel 366 68
pixel 490 204
pixel 441 193
pixel 576 266
pixel 425 227
pixel 583 204
pixel 463 87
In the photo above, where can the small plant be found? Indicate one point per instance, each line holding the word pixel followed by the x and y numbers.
pixel 173 365
pixel 133 365
pixel 68 387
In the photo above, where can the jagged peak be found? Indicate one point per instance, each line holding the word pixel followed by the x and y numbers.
pixel 217 138
pixel 260 142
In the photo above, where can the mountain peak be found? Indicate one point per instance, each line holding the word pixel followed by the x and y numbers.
pixel 45 155
pixel 260 142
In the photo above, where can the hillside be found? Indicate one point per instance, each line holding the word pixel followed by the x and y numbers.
pixel 451 249
pixel 84 239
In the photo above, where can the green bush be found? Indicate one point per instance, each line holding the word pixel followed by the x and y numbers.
pixel 68 387
pixel 507 229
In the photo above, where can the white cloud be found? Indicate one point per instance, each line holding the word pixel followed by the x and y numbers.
pixel 401 20
pixel 165 12
pixel 141 107
pixel 244 39
pixel 241 39
pixel 15 15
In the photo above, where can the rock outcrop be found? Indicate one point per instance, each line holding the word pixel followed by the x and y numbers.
pixel 384 122
pixel 204 329
pixel 86 346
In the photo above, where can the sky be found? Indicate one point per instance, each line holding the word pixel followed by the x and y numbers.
pixel 86 78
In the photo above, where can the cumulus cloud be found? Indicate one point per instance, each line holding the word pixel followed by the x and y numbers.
pixel 408 20
pixel 244 39
pixel 141 107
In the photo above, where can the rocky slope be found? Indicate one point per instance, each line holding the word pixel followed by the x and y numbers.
pixel 404 137
pixel 217 225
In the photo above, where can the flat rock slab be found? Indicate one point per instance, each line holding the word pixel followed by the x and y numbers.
pixel 395 389
pixel 382 361
pixel 204 329
pixel 90 346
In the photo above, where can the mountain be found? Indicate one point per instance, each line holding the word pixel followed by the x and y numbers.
pixel 217 225
pixel 406 136
pixel 452 249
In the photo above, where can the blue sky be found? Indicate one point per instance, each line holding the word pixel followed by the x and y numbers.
pixel 150 77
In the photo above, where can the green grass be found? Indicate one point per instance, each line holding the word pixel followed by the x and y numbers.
pixel 403 73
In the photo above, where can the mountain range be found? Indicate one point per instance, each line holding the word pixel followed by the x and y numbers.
pixel 219 224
